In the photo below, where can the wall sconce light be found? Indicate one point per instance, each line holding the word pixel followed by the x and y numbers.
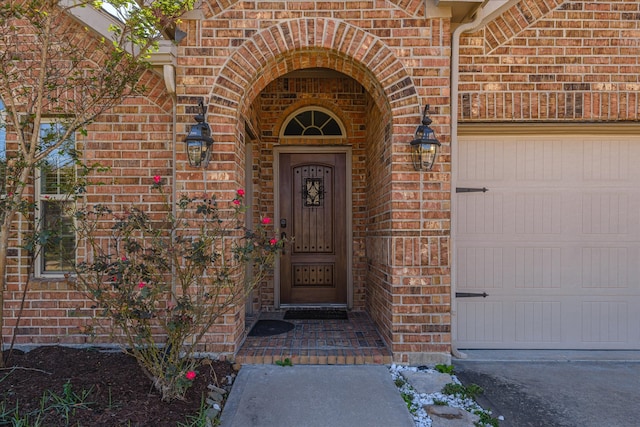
pixel 424 147
pixel 199 140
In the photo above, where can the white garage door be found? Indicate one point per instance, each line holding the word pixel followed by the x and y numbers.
pixel 554 242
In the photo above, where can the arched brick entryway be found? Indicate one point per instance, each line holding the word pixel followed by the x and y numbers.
pixel 308 43
pixel 336 45
pixel 216 7
pixel 333 44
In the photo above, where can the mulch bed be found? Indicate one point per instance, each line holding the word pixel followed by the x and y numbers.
pixel 120 393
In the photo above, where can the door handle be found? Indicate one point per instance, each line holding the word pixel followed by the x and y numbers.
pixel 283 237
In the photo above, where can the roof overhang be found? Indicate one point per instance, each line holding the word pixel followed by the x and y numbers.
pixel 461 10
pixel 163 61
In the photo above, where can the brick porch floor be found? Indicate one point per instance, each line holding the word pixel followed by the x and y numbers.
pixel 318 342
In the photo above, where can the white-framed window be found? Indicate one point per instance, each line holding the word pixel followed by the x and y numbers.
pixel 312 122
pixel 54 204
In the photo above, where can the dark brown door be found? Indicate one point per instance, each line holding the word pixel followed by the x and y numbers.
pixel 313 267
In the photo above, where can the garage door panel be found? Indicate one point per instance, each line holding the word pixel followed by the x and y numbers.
pixel 605 212
pixel 547 323
pixel 555 242
pixel 484 161
pixel 605 321
pixel 606 267
pixel 481 268
pixel 505 213
pixel 481 322
pixel 536 322
pixel 482 215
pixel 607 160
pixel 537 161
pixel 537 267
pixel 572 267
pixel 537 213
pixel 514 266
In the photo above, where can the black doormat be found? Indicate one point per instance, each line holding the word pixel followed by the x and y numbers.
pixel 265 328
pixel 330 314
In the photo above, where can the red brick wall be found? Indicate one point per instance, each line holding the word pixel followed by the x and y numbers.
pixel 396 60
pixel 554 60
pixel 380 298
pixel 402 61
pixel 135 141
pixel 541 60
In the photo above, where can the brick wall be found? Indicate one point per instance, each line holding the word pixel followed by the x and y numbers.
pixel 554 60
pixel 378 174
pixel 394 60
pixel 241 50
pixel 135 142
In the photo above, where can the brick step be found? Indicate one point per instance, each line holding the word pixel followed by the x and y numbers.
pixel 315 357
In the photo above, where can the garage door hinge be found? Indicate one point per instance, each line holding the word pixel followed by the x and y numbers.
pixel 471 295
pixel 471 190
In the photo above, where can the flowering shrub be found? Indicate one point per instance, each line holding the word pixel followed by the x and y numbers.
pixel 163 282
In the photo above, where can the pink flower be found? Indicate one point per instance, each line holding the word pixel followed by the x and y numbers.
pixel 273 242
pixel 124 258
pixel 240 192
pixel 141 285
pixel 236 201
pixel 266 220
pixel 191 375
pixel 157 179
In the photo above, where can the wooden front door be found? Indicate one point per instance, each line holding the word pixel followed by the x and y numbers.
pixel 312 198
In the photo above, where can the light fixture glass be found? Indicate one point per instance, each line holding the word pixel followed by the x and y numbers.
pixel 424 147
pixel 199 141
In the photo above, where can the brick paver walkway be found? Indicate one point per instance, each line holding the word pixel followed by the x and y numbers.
pixel 319 342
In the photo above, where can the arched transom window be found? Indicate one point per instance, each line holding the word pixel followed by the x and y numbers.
pixel 312 122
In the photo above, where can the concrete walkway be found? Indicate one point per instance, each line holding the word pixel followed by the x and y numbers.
pixel 315 396
pixel 556 388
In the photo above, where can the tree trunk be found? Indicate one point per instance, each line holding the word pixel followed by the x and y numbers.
pixel 4 242
pixel 8 219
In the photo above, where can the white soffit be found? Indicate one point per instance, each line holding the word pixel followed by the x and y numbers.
pixel 163 60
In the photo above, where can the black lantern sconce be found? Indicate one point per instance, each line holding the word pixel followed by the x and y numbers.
pixel 199 140
pixel 424 147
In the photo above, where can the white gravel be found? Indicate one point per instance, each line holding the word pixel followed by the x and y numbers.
pixel 419 400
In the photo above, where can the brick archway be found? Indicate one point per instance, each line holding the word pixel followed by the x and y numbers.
pixel 307 43
pixel 217 7
pixel 327 43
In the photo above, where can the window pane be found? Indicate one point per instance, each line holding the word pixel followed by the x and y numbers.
pixel 293 129
pixel 57 172
pixel 57 224
pixel 312 131
pixel 320 118
pixel 56 176
pixel 332 128
pixel 305 118
pixel 312 123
